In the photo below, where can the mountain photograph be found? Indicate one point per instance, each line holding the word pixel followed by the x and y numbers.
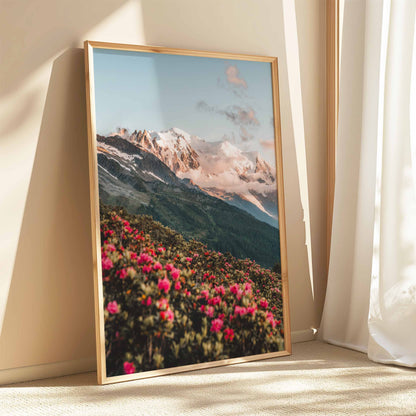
pixel 189 210
pixel 161 174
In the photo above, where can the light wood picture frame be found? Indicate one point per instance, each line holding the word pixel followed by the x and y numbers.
pixel 187 209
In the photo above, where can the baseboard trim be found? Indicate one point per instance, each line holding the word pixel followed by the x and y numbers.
pixel 38 372
pixel 303 335
pixel 65 368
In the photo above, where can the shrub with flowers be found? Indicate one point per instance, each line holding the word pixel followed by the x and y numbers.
pixel 171 302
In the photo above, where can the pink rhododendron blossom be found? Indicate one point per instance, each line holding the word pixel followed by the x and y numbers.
pixel 157 266
pixel 240 310
pixel 234 288
pixel 175 273
pixel 220 290
pixel 251 310
pixel 122 274
pixel 128 229
pixel 209 311
pixel 264 304
pixel 162 304
pixel 161 249
pixel 129 368
pixel 177 285
pixel 147 268
pixel 133 256
pixel 167 315
pixel 147 301
pixel 205 293
pixel 214 301
pixel 112 307
pixel 229 334
pixel 247 287
pixel 216 325
pixel 189 259
pixel 169 267
pixel 106 263
pixel 164 284
pixel 144 258
pixel 110 247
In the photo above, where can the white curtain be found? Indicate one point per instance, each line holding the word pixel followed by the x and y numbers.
pixel 370 303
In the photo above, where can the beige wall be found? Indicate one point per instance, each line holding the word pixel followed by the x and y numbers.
pixel 46 290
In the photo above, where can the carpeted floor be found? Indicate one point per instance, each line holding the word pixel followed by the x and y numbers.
pixel 318 379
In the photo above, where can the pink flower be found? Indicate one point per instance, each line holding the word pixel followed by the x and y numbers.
pixel 251 310
pixel 167 315
pixel 128 229
pixel 106 263
pixel 147 301
pixel 164 284
pixel 169 267
pixel 110 247
pixel 113 307
pixel 175 273
pixel 157 266
pixel 144 258
pixel 234 288
pixel 161 249
pixel 162 304
pixel 129 368
pixel 205 294
pixel 216 325
pixel 270 319
pixel 247 287
pixel 240 310
pixel 214 301
pixel 177 285
pixel 147 268
pixel 229 334
pixel 264 304
pixel 209 311
pixel 189 259
pixel 220 290
pixel 133 256
pixel 122 274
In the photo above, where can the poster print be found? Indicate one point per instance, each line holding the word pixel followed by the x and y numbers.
pixel 187 209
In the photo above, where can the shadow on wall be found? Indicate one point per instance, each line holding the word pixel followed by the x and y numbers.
pixel 55 242
pixel 37 32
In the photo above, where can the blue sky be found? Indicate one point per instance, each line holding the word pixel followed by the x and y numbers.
pixel 215 99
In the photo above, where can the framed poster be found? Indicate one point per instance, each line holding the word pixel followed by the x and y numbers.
pixel 187 209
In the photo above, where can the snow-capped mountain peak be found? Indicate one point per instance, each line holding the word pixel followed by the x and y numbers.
pixel 219 168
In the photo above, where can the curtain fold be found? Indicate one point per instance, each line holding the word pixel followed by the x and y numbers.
pixel 371 295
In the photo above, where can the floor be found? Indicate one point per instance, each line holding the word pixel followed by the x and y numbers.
pixel 318 379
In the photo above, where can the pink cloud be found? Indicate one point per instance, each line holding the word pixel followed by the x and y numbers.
pixel 233 76
pixel 267 144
